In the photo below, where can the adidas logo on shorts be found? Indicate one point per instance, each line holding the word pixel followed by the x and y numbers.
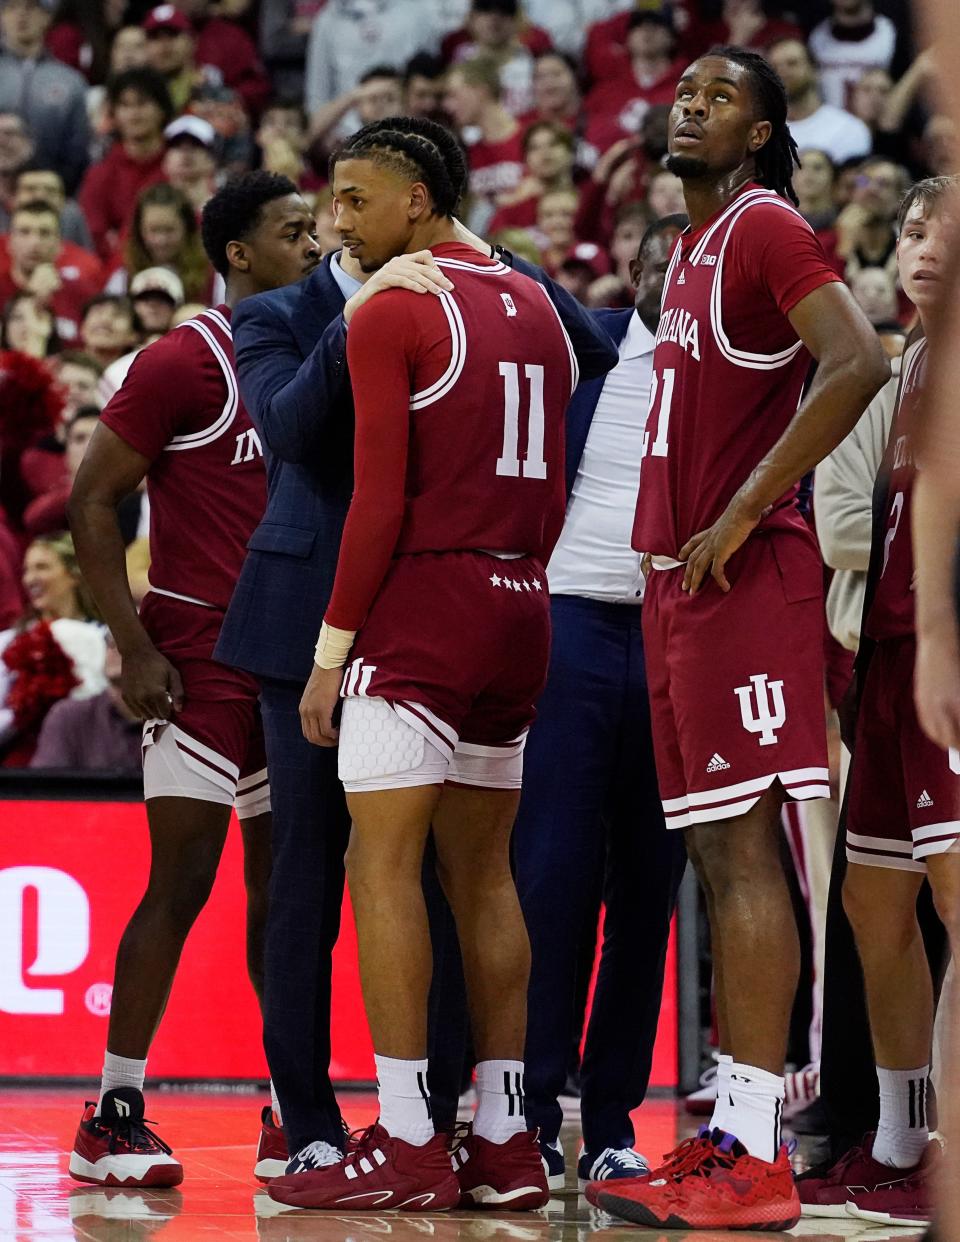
pixel 924 801
pixel 717 764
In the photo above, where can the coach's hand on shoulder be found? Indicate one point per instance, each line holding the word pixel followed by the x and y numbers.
pixel 150 685
pixel 417 272
pixel 708 552
pixel 318 704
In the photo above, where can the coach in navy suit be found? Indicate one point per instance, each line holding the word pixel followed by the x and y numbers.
pixel 290 349
pixel 600 830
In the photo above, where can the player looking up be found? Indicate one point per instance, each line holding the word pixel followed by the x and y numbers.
pixel 732 619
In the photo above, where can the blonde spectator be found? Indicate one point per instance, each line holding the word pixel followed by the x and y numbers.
pixel 164 233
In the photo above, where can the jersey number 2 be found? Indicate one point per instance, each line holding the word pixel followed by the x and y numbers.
pixel 533 465
pixel 665 391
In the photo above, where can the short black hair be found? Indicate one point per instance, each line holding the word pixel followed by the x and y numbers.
pixel 146 82
pixel 284 103
pixel 35 207
pixel 423 65
pixel 415 147
pixel 675 221
pixel 777 158
pixel 235 211
pixel 381 71
pixel 506 8
pixel 118 300
pixel 83 411
pixel 37 165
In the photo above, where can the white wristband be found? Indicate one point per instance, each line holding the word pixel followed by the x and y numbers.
pixel 333 646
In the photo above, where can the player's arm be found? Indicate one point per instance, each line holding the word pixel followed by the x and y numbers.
pixel 852 368
pixel 381 347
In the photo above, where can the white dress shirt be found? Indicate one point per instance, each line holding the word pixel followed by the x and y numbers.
pixel 349 285
pixel 593 557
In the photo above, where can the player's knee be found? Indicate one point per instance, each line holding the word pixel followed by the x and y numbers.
pixel 878 922
pixel 944 875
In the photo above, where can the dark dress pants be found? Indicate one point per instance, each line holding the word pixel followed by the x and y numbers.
pixel 590 820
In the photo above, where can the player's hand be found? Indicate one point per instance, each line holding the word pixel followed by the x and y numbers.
pixel 936 684
pixel 318 704
pixel 150 685
pixel 417 272
pixel 708 552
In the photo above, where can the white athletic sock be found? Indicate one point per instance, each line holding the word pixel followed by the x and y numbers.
pixel 903 1132
pixel 275 1104
pixel 405 1111
pixel 500 1111
pixel 722 1106
pixel 755 1110
pixel 120 1072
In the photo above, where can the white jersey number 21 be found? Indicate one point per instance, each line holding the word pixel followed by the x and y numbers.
pixel 658 448
pixel 533 465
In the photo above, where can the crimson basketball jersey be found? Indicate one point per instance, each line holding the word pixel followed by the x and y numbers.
pixel 891 613
pixel 180 407
pixel 728 366
pixel 460 401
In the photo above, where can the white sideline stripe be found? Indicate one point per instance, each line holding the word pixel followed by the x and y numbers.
pixel 891 861
pixel 879 843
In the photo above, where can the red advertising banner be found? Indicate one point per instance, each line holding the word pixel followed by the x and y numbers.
pixel 71 873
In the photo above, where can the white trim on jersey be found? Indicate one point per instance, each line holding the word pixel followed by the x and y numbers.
pixel 220 320
pixel 496 269
pixel 574 366
pixel 458 356
pixel 751 196
pixel 187 599
pixel 196 439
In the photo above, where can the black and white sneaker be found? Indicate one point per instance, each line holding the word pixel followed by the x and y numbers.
pixel 613 1163
pixel 554 1165
pixel 117 1149
pixel 317 1155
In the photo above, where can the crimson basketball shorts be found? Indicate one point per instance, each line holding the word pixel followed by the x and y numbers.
pixel 737 681
pixel 213 749
pixel 903 803
pixel 455 649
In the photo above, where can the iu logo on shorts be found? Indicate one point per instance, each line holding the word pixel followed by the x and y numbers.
pixel 762 708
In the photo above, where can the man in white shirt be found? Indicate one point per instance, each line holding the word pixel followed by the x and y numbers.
pixel 853 39
pixel 598 832
pixel 813 123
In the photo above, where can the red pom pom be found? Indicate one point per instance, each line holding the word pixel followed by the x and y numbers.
pixel 44 675
pixel 31 405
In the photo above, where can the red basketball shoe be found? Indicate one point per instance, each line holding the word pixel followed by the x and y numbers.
pixel 903 1201
pixel 272 1154
pixel 380 1172
pixel 827 1193
pixel 506 1176
pixel 674 1162
pixel 117 1149
pixel 724 1187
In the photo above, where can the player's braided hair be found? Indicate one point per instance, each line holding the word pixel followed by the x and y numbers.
pixel 777 158
pixel 417 148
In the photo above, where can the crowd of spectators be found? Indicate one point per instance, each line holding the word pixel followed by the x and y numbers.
pixel 118 120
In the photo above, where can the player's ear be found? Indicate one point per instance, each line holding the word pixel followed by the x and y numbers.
pixel 419 200
pixel 636 270
pixel 237 256
pixel 759 135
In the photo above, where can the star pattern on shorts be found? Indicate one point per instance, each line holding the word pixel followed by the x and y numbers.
pixel 495 580
pixel 511 584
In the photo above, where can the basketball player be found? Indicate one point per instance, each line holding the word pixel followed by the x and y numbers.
pixel 439 616
pixel 178 422
pixel 733 614
pixel 903 807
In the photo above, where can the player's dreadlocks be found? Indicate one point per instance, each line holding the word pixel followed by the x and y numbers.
pixel 416 148
pixel 777 158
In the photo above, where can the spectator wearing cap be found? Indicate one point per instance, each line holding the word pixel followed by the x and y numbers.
pixel 164 233
pixel 854 38
pixel 50 96
pixel 190 162
pixel 616 107
pixel 172 52
pixel 157 296
pixel 814 123
pixel 140 108
pixel 583 266
pixel 548 165
pixel 34 259
pixel 34 180
pixel 493 29
pixel 493 138
pixel 347 39
pixel 224 45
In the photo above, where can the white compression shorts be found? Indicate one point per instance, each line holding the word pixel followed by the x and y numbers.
pixel 176 765
pixel 379 750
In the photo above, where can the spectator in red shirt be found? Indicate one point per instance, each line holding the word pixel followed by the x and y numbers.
pixel 28 327
pixel 190 164
pixel 140 107
pixel 617 106
pixel 82 34
pixel 743 23
pixel 164 233
pixel 108 330
pixel 556 92
pixel 814 182
pixel 36 180
pixel 48 513
pixel 554 229
pixel 77 376
pixel 548 165
pixel 35 263
pixel 493 138
pixel 226 46
pixel 172 52
pixel 494 28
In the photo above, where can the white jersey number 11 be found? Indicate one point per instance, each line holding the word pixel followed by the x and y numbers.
pixel 533 465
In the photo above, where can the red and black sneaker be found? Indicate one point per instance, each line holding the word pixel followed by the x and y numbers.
pixel 903 1198
pixel 117 1149
pixel 501 1176
pixel 379 1173
pixel 674 1162
pixel 826 1191
pixel 272 1154
pixel 720 1186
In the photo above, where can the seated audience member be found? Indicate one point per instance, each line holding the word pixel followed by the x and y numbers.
pixel 284 27
pixel 867 226
pixel 140 108
pixel 32 182
pixel 16 148
pixel 494 139
pixel 554 232
pixel 875 291
pixel 282 139
pixel 617 105
pixel 814 123
pixel 157 295
pixel 664 194
pixel 82 34
pixel 557 98
pixel 164 233
pixel 77 376
pixel 423 87
pixel 55 650
pixel 48 512
pixel 852 39
pixel 29 327
pixel 870 98
pixel 814 182
pixel 99 734
pixel 50 96
pixel 128 51
pixel 548 165
pixel 35 260
pixel 31 456
pixel 582 269
pixel 621 174
pixel 224 45
pixel 190 162
pixel 11 590
pixel 171 52
pixel 493 28
pixel 377 95
pixel 222 107
pixel 939 146
pixel 108 329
